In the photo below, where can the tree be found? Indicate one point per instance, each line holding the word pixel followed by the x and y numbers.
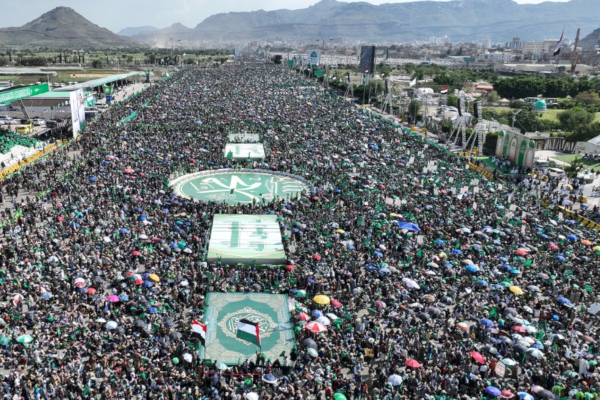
pixel 528 121
pixel 409 68
pixel 493 97
pixel 452 101
pixel 573 120
pixel 96 64
pixel 574 167
pixel 413 108
pixel 587 98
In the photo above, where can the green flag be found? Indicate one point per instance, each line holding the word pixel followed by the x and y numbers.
pixel 493 313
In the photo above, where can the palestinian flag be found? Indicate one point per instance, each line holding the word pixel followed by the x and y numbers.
pixel 444 91
pixel 559 44
pixel 199 331
pixel 249 331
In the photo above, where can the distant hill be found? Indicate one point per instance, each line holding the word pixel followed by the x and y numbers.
pixel 461 20
pixel 132 31
pixel 63 27
pixel 590 41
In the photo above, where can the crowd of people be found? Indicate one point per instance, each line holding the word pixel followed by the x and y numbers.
pixel 447 285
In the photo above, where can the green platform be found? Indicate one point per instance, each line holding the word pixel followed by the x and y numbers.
pixel 237 186
pixel 223 312
pixel 246 239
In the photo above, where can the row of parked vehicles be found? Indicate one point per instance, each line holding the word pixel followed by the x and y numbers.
pixel 24 126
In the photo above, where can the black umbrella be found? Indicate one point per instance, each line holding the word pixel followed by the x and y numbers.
pixel 519 348
pixel 424 316
pixel 176 335
pixel 310 343
pixel 546 394
pixel 140 323
pixel 434 311
pixel 98 279
pixel 511 311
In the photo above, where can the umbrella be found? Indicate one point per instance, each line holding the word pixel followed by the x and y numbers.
pixel 322 299
pixel 308 342
pixel 493 391
pixel 472 268
pixel 303 316
pixel 154 278
pixel 462 326
pixel 112 299
pixel 395 380
pixel 478 357
pixel 315 327
pixel 409 226
pixel 545 394
pixel 221 366
pixel 317 313
pixel 535 353
pixel 4 341
pixel 312 352
pixel 324 320
pixel 25 339
pixel 252 396
pixel 187 357
pixel 336 304
pixel 380 304
pixel 268 378
pixel 525 396
pixel 516 290
pixel 486 322
pixel 410 283
pixel 411 363
pixel 110 325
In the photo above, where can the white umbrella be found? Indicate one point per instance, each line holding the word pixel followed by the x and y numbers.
pixel 110 325
pixel 530 329
pixel 252 396
pixel 332 316
pixel 535 353
pixel 395 380
pixel 410 283
pixel 187 357
pixel 510 362
pixel 324 320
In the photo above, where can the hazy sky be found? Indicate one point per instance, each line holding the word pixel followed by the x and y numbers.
pixel 118 14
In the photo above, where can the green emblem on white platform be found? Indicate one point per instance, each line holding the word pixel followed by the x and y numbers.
pixel 246 239
pixel 266 325
pixel 238 186
pixel 243 151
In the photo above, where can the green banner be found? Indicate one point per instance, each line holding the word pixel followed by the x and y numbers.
pixel 8 96
pixel 319 72
pixel 108 90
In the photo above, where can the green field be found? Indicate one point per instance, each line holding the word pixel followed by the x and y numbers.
pixel 595 166
pixel 551 115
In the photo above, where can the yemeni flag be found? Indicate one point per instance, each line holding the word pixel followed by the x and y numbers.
pixel 248 331
pixel 199 331
pixel 444 91
pixel 559 44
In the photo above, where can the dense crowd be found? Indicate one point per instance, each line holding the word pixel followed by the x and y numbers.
pixel 447 285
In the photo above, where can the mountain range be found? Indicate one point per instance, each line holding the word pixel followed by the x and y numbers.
pixel 63 27
pixel 461 20
pixel 590 41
